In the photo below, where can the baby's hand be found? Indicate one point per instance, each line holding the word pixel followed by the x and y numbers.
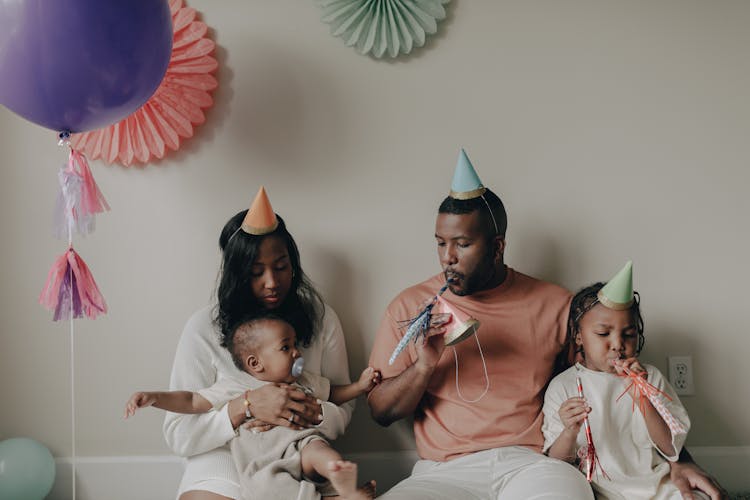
pixel 631 364
pixel 370 378
pixel 139 400
pixel 572 413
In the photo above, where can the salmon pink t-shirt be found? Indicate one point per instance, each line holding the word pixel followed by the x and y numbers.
pixel 522 330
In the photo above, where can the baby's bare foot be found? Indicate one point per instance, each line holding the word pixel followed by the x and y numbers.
pixel 343 477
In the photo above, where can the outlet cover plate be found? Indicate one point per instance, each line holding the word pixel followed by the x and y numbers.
pixel 681 375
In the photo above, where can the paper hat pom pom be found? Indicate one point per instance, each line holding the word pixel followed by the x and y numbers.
pixel 260 219
pixel 461 326
pixel 617 294
pixel 466 183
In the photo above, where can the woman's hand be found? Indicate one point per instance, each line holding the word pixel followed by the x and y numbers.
pixel 255 426
pixel 283 404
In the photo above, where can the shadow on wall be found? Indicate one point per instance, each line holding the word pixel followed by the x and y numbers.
pixel 289 108
pixel 337 279
pixel 540 255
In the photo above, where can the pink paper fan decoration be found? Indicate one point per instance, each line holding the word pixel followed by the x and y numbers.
pixel 175 108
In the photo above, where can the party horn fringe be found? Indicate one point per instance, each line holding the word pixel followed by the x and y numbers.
pixel 644 390
pixel 416 326
pixel 589 460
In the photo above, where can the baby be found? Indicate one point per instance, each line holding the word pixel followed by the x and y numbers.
pixel 271 464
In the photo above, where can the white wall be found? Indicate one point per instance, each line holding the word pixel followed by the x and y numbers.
pixel 612 130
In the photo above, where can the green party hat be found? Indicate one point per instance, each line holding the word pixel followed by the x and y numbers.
pixel 466 184
pixel 617 294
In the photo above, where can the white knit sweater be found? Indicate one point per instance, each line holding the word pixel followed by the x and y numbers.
pixel 199 362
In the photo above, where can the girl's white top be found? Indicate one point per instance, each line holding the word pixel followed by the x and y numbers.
pixel 636 467
pixel 199 362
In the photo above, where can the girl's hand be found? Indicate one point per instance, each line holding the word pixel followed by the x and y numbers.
pixel 631 364
pixel 139 400
pixel 369 378
pixel 283 404
pixel 572 413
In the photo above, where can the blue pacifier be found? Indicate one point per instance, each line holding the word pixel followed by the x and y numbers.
pixel 298 366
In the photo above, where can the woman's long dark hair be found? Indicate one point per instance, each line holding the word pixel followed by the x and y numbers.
pixel 303 307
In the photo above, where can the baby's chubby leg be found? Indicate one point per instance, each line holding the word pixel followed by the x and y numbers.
pixel 315 457
pixel 319 460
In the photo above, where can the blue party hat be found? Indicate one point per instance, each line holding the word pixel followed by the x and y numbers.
pixel 466 183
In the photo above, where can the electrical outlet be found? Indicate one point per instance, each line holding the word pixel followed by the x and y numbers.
pixel 681 374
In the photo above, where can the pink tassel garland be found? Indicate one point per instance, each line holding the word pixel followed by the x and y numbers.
pixel 78 200
pixel 70 290
pixel 92 200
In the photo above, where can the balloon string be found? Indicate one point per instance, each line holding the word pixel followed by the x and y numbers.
pixel 72 391
pixel 71 220
pixel 64 137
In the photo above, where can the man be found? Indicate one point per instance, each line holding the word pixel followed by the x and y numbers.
pixel 477 414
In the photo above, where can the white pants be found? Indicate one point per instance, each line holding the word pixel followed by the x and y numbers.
pixel 512 473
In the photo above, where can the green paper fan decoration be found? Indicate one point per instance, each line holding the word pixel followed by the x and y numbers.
pixel 380 27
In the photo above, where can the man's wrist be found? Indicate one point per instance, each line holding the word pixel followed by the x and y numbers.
pixel 423 370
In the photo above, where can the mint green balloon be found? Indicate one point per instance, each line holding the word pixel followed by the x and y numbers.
pixel 27 469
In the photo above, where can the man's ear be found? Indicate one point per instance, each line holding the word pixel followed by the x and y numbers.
pixel 499 243
pixel 253 364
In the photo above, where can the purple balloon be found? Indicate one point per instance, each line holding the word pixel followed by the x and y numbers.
pixel 77 65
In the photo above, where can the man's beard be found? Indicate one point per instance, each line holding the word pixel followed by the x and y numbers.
pixel 472 283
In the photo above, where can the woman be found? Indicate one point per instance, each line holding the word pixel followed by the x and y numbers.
pixel 260 271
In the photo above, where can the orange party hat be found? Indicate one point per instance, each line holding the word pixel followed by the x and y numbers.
pixel 260 219
pixel 461 326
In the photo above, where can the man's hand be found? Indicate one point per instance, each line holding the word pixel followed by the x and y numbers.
pixel 398 397
pixel 431 347
pixel 687 476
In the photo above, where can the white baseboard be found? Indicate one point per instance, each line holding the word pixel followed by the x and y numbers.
pixel 157 477
pixel 118 478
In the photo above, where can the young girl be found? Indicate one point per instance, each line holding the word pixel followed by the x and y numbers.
pixel 633 442
pixel 272 463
